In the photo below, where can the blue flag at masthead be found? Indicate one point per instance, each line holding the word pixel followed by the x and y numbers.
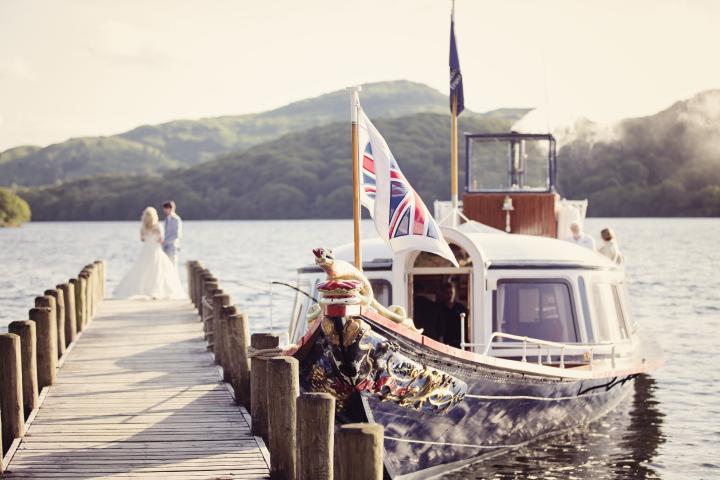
pixel 456 86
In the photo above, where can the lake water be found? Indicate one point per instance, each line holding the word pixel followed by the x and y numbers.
pixel 669 429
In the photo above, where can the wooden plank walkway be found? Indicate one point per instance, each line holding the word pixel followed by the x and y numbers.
pixel 140 397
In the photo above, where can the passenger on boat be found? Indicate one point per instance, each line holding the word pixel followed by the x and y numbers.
pixel 609 247
pixel 426 316
pixel 449 315
pixel 579 237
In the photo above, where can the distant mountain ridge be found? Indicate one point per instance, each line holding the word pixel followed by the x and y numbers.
pixel 183 143
pixel 299 175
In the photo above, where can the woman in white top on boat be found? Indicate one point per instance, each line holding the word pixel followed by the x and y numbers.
pixel 153 275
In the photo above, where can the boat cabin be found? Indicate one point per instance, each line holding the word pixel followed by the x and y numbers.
pixel 511 294
pixel 511 185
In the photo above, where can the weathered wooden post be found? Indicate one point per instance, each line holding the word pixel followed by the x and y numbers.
pixel 90 277
pixel 2 467
pixel 68 290
pixel 359 452
pixel 85 283
pixel 219 301
pixel 199 273
pixel 57 293
pixel 209 287
pixel 315 436
pixel 282 374
pixel 46 332
pixel 258 383
pixel 11 389
pixel 77 287
pixel 25 330
pixel 236 356
pixel 48 301
pixel 190 266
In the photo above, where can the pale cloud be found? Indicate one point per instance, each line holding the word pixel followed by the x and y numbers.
pixel 16 69
pixel 98 67
pixel 122 42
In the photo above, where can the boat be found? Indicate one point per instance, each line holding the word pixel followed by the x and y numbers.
pixel 545 341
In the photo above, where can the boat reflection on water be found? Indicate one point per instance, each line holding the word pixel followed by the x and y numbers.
pixel 622 445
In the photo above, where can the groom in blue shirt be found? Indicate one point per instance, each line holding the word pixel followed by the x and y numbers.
pixel 173 231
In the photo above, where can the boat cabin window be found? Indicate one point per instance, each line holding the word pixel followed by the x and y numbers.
pixel 382 290
pixel 537 308
pixel 510 162
pixel 607 313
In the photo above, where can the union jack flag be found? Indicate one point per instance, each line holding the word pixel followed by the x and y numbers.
pixel 400 216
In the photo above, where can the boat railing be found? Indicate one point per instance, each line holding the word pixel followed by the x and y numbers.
pixel 533 347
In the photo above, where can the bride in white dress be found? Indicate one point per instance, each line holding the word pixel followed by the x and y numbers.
pixel 153 275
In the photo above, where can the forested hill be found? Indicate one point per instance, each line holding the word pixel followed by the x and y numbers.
pixel 300 175
pixel 667 164
pixel 154 148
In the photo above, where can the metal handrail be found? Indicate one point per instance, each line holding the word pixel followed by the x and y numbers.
pixel 588 350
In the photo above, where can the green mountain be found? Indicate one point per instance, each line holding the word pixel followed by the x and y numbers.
pixel 667 164
pixel 300 175
pixel 182 143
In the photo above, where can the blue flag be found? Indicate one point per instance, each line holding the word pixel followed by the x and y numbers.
pixel 456 86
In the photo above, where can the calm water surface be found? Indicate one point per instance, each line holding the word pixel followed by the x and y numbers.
pixel 669 429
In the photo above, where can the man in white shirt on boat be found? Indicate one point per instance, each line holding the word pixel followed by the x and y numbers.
pixel 579 237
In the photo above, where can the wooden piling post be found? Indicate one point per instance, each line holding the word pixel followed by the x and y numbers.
pixel 209 287
pixel 25 330
pixel 223 340
pixel 238 336
pixel 258 383
pixel 219 301
pixel 11 389
pixel 359 452
pixel 48 301
pixel 190 266
pixel 2 467
pixel 85 282
pixel 46 332
pixel 68 290
pixel 57 293
pixel 199 273
pixel 77 287
pixel 282 374
pixel 315 436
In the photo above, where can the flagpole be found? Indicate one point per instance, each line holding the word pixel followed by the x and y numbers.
pixel 354 107
pixel 454 161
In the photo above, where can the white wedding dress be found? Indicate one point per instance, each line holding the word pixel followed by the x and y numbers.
pixel 153 275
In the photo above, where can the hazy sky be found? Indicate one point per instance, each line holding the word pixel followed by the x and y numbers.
pixel 89 67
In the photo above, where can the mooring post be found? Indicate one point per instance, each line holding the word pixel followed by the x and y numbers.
pixel 57 293
pixel 46 332
pixel 258 383
pixel 85 282
pixel 282 375
pixel 190 267
pixel 209 286
pixel 219 301
pixel 25 330
pixel 48 301
pixel 238 335
pixel 11 389
pixel 359 452
pixel 200 274
pixel 315 436
pixel 90 276
pixel 77 286
pixel 68 290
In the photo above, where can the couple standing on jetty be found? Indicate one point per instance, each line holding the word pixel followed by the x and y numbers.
pixel 154 275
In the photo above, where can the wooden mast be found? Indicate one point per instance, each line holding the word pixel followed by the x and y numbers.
pixel 454 147
pixel 354 107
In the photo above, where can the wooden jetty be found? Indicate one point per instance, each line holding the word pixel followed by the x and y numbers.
pixel 148 391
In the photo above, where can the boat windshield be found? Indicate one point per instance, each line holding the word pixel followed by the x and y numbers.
pixel 510 162
pixel 537 308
